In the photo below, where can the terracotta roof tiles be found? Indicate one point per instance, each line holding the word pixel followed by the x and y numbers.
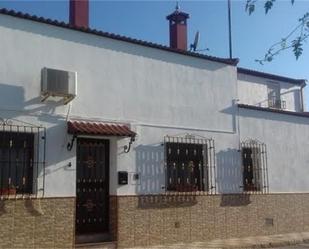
pixel 35 18
pixel 78 127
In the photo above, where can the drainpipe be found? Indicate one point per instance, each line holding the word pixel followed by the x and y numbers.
pixel 302 107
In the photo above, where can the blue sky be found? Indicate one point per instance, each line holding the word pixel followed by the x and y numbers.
pixel 252 35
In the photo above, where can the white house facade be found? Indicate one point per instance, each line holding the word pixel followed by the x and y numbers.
pixel 154 145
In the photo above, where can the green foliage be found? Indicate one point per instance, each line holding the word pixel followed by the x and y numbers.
pixel 268 5
pixel 250 8
pixel 297 47
pixel 294 40
pixel 250 5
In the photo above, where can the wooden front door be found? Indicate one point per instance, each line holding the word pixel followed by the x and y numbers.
pixel 92 186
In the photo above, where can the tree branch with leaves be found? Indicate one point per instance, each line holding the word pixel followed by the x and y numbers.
pixel 293 40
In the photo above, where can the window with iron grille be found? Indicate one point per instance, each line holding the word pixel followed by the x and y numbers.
pixel 22 160
pixel 254 161
pixel 189 164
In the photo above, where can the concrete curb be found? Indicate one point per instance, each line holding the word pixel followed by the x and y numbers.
pixel 270 241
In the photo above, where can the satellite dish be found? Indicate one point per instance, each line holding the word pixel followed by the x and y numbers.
pixel 196 40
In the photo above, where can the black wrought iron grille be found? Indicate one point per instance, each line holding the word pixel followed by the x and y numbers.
pixel 22 160
pixel 254 164
pixel 190 164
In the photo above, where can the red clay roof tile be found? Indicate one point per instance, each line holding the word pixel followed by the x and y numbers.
pixel 99 128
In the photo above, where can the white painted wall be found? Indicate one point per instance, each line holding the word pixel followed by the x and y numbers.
pixel 158 92
pixel 252 90
pixel 148 155
pixel 286 138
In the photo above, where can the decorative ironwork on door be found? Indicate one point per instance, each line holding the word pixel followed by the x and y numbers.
pixel 92 186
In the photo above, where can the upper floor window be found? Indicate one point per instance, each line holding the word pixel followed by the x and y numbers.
pixel 274 97
pixel 189 164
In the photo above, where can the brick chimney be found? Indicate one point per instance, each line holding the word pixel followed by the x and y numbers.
pixel 79 13
pixel 178 29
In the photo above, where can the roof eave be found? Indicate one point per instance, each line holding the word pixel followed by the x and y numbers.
pixel 273 110
pixel 301 82
pixel 233 61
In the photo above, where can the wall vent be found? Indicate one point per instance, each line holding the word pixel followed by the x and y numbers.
pixel 58 83
pixel 269 222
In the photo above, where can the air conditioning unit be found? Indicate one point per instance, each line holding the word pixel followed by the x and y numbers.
pixel 58 83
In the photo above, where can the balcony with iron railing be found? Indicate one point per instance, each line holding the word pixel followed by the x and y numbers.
pixel 276 103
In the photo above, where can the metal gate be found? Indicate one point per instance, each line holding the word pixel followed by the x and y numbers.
pixel 92 187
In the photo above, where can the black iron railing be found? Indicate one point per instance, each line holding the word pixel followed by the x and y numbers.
pixel 22 159
pixel 190 164
pixel 254 166
pixel 276 103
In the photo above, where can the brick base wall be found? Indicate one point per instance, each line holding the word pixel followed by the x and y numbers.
pixel 160 220
pixel 155 220
pixel 37 223
pixel 113 217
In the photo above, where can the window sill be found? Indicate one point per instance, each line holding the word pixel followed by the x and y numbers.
pixel 19 196
pixel 185 193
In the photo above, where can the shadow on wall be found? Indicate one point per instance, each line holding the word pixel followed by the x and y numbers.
pixel 107 43
pixel 13 106
pixel 232 110
pixel 295 94
pixel 229 175
pixel 12 97
pixel 297 100
pixel 31 208
pixel 2 208
pixel 150 167
pixel 29 205
pixel 57 149
pixel 264 115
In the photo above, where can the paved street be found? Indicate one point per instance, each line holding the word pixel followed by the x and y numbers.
pixel 300 246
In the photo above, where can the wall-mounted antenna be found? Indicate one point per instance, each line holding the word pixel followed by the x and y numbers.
pixel 193 46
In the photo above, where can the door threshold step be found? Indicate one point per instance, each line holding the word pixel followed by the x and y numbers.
pixel 92 238
pixel 99 245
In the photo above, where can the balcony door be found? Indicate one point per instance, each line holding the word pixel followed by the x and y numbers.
pixel 273 90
